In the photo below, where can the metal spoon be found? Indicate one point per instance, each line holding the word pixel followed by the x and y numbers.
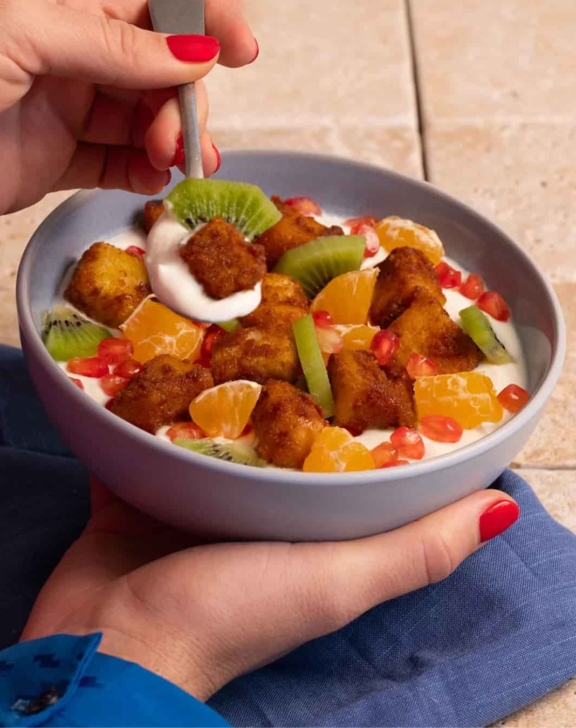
pixel 183 17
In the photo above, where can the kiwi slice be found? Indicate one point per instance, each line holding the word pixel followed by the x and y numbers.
pixel 478 328
pixel 245 206
pixel 66 334
pixel 316 263
pixel 229 326
pixel 313 364
pixel 230 453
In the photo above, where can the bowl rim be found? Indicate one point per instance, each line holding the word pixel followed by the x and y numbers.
pixel 278 475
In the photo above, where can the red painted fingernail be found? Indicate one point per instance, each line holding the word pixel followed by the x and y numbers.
pixel 193 48
pixel 218 158
pixel 496 519
pixel 257 51
pixel 179 155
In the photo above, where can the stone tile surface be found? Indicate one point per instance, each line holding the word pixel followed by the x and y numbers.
pixel 495 59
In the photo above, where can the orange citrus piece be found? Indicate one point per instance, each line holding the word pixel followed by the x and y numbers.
pixel 358 338
pixel 394 232
pixel 335 451
pixel 347 298
pixel 469 398
pixel 224 411
pixel 154 329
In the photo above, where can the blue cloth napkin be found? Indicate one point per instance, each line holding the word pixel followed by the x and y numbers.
pixel 492 638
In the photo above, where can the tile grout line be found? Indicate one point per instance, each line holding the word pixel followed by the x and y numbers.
pixel 417 87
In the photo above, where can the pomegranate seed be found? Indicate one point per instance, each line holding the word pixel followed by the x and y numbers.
pixel 135 250
pixel 408 443
pixel 513 398
pixel 384 345
pixel 212 333
pixel 473 287
pixel 493 304
pixel 112 384
pixel 115 351
pixel 448 276
pixel 421 366
pixel 304 205
pixel 128 369
pixel 441 429
pixel 384 455
pixel 90 367
pixel 187 430
pixel 372 240
pixel 354 222
pixel 330 340
pixel 322 319
pixel 395 464
pixel 77 382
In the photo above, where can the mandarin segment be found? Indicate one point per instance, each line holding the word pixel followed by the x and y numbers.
pixel 154 329
pixel 336 451
pixel 395 232
pixel 357 338
pixel 224 411
pixel 468 397
pixel 347 298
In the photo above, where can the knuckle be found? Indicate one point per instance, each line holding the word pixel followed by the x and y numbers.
pixel 438 559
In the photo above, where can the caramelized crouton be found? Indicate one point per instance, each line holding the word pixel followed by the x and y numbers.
pixel 152 211
pixel 286 423
pixel 161 393
pixel 221 261
pixel 108 284
pixel 426 329
pixel 283 302
pixel 254 354
pixel 290 232
pixel 365 397
pixel 403 274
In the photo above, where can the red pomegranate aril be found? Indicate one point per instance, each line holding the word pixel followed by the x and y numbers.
pixel 135 250
pixel 77 382
pixel 421 366
pixel 128 369
pixel 212 333
pixel 355 222
pixel 440 428
pixel 115 351
pixel 304 205
pixel 394 464
pixel 384 455
pixel 448 277
pixel 329 339
pixel 186 430
pixel 408 443
pixel 473 287
pixel 112 384
pixel 513 398
pixel 494 305
pixel 322 319
pixel 384 345
pixel 372 239
pixel 90 367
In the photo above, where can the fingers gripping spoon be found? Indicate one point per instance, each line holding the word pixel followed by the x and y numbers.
pixel 182 17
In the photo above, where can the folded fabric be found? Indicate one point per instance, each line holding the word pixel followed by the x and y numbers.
pixel 495 636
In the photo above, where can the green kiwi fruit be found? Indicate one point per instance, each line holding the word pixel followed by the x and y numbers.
pixel 245 206
pixel 478 328
pixel 230 453
pixel 313 364
pixel 316 263
pixel 229 326
pixel 66 334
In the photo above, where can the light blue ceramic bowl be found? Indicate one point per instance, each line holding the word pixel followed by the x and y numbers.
pixel 212 497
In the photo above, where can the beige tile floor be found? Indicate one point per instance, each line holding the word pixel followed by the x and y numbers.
pixel 491 118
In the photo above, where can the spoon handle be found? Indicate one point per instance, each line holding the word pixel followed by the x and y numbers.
pixel 184 16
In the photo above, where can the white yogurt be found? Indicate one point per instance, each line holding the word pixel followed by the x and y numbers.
pixel 174 285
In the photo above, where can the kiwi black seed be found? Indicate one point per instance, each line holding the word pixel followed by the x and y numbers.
pixel 316 263
pixel 230 453
pixel 66 334
pixel 245 206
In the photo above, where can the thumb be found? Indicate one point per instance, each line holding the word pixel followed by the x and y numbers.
pixel 349 578
pixel 55 40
